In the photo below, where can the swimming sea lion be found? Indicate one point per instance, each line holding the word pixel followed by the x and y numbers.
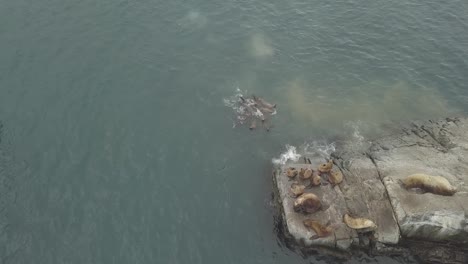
pixel 434 184
pixel 319 229
pixel 253 124
pixel 335 177
pixel 307 203
pixel 358 223
pixel 291 172
pixel 326 167
pixel 263 103
pixel 297 189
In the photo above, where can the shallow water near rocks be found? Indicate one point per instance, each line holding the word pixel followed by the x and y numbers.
pixel 117 146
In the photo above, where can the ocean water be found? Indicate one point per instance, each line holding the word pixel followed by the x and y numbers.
pixel 116 145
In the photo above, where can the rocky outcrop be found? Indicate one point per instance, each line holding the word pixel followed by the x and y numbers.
pixel 372 189
pixel 434 148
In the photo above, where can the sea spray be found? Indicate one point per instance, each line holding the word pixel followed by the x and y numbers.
pixel 289 154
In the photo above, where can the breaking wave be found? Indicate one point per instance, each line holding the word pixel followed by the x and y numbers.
pixel 289 154
pixel 314 148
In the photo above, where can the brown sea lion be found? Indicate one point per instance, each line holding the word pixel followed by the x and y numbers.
pixel 358 223
pixel 263 103
pixel 291 172
pixel 307 174
pixel 316 180
pixel 335 177
pixel 301 172
pixel 253 124
pixel 326 167
pixel 434 184
pixel 307 203
pixel 297 189
pixel 319 229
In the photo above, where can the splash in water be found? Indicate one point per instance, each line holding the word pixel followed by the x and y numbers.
pixel 289 155
pixel 251 110
pixel 318 148
pixel 314 148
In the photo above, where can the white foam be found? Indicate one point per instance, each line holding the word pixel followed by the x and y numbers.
pixel 289 154
pixel 319 148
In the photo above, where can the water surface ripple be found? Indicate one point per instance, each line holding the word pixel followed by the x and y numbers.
pixel 116 146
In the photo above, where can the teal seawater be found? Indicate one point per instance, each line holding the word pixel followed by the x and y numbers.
pixel 116 145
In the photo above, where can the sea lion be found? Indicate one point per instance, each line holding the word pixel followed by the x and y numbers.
pixel 316 180
pixel 253 124
pixel 254 108
pixel 297 189
pixel 301 172
pixel 307 203
pixel 291 172
pixel 307 174
pixel 319 229
pixel 326 167
pixel 335 177
pixel 358 223
pixel 434 184
pixel 263 103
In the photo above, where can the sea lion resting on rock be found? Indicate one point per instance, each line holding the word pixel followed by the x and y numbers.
pixel 291 172
pixel 335 177
pixel 326 167
pixel 358 223
pixel 319 229
pixel 297 189
pixel 434 184
pixel 307 203
pixel 316 180
pixel 307 173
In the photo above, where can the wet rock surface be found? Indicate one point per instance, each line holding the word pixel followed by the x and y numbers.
pixel 372 189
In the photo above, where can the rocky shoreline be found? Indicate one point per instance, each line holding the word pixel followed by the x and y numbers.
pixel 432 227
